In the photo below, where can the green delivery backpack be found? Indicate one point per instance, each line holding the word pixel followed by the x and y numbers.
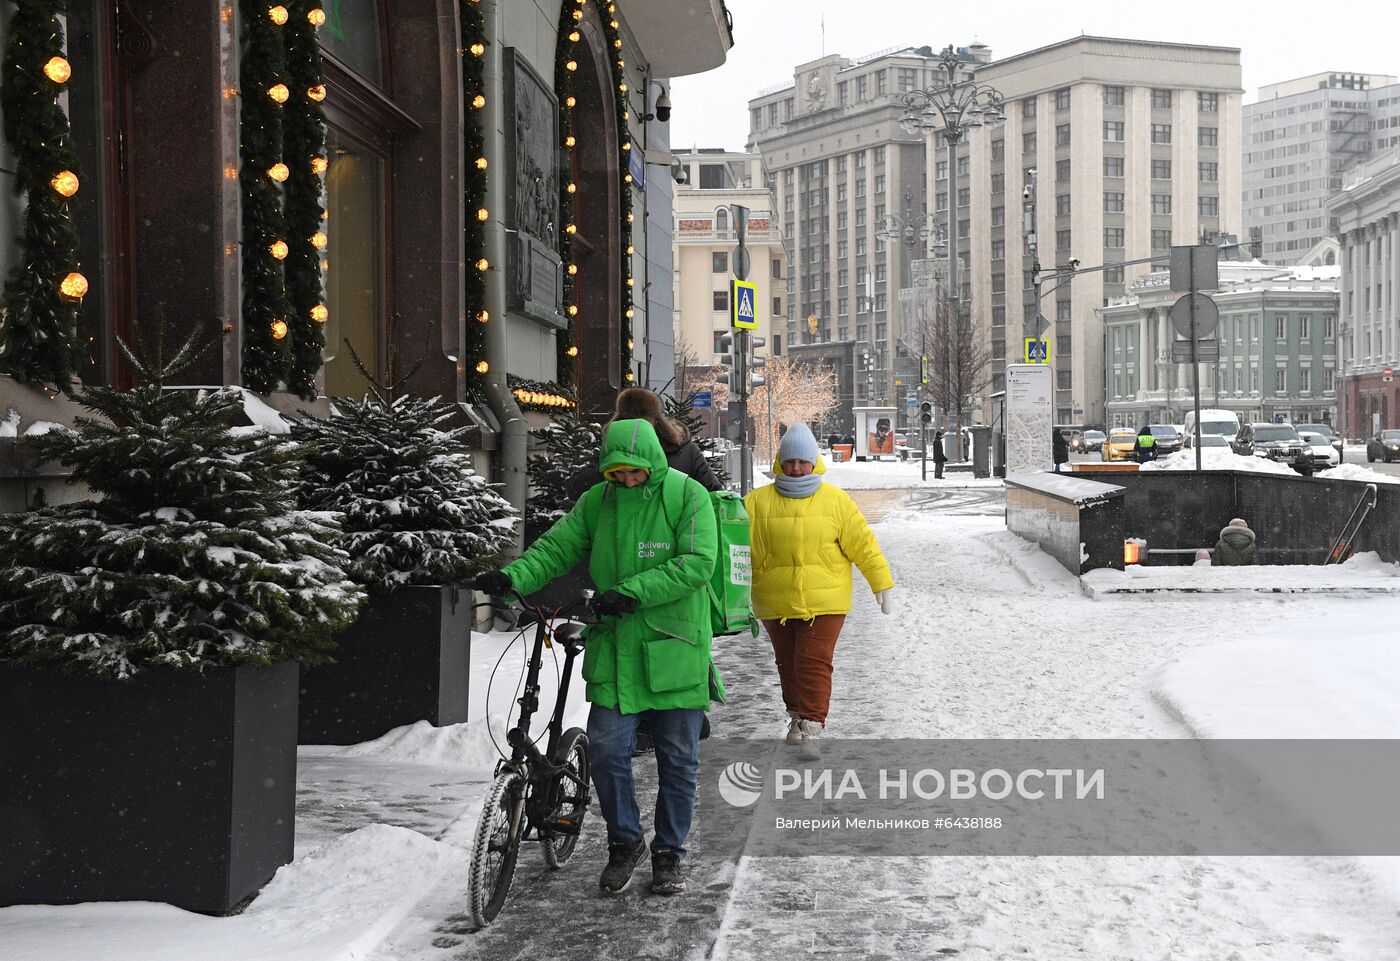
pixel 731 608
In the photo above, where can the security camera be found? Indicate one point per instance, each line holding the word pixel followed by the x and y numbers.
pixel 663 107
pixel 1026 192
pixel 679 174
pixel 1074 263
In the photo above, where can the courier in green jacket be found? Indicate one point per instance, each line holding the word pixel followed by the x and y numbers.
pixel 651 658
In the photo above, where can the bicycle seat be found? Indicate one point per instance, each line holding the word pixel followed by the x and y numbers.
pixel 570 632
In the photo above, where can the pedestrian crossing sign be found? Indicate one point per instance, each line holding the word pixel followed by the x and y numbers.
pixel 1037 351
pixel 743 300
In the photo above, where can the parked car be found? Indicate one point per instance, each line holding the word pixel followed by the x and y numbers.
pixel 1168 438
pixel 1278 442
pixel 1207 440
pixel 1384 446
pixel 1120 444
pixel 1093 441
pixel 1325 430
pixel 1324 454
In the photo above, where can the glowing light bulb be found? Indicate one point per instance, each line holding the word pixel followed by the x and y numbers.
pixel 571 187
pixel 572 351
pixel 571 66
pixel 278 249
pixel 478 49
pixel 65 183
pixel 319 165
pixel 569 141
pixel 73 287
pixel 478 101
pixel 319 240
pixel 279 329
pixel 279 93
pixel 482 367
pixel 58 70
pixel 279 172
pixel 570 229
pixel 573 310
pixel 570 101
pixel 277 15
pixel 317 93
pixel 483 264
pixel 319 313
pixel 483 215
pixel 480 163
pixel 573 269
pixel 317 16
pixel 482 316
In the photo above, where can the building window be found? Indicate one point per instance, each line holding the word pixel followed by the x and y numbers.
pixel 1161 133
pixel 1161 203
pixel 879 184
pixel 1208 102
pixel 860 216
pixel 1062 98
pixel 841 192
pixel 1209 206
pixel 998 184
pixel 1113 96
pixel 998 216
pixel 843 93
pixel 841 220
pixel 941 200
pixel 940 170
pixel 1062 241
pixel 356 185
pixel 964 196
pixel 998 283
pixel 1113 201
pixel 1113 131
pixel 1114 275
pixel 998 316
pixel 1161 170
pixel 964 165
pixel 1113 166
pixel 998 149
pixel 906 79
pixel 1061 205
pixel 841 164
pixel 721 300
pixel 1061 171
pixel 882 83
pixel 1329 329
pixel 1281 328
pixel 1028 108
pixel 1113 237
pixel 1207 136
pixel 719 262
pixel 1161 239
pixel 879 156
pixel 1209 171
pixel 1305 327
pixel 843 276
pixel 1028 142
pixel 777 306
pixel 1281 380
pixel 998 250
pixel 862 88
pixel 860 246
pixel 1062 135
pixel 1329 380
pixel 1161 99
pixel 860 159
pixel 757 118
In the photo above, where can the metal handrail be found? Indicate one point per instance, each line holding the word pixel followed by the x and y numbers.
pixel 1340 547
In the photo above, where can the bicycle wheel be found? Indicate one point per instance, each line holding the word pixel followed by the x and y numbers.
pixel 572 802
pixel 496 848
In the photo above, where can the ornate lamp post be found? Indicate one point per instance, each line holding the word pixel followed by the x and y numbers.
pixel 954 105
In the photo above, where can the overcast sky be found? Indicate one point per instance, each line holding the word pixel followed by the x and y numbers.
pixel 1278 41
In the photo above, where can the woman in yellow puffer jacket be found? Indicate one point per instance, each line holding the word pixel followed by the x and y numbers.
pixel 805 536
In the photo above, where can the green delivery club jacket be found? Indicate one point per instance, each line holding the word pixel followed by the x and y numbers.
pixel 658 657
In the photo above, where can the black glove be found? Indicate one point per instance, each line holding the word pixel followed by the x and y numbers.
pixel 495 583
pixel 611 602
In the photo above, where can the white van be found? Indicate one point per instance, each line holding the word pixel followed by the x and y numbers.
pixel 1222 423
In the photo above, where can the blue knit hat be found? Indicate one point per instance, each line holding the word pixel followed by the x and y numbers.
pixel 798 444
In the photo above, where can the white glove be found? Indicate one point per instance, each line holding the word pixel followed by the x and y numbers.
pixel 884 598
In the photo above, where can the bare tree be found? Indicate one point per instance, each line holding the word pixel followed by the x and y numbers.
pixel 794 392
pixel 687 367
pixel 957 367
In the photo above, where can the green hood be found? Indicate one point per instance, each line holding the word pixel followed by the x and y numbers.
pixel 633 443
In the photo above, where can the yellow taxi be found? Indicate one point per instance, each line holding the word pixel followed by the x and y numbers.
pixel 1120 445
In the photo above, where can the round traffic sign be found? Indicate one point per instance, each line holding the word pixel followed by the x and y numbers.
pixel 1207 316
pixel 1386 375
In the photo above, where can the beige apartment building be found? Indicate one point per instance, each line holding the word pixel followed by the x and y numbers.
pixel 704 242
pixel 1136 147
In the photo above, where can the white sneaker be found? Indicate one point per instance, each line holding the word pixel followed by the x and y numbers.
pixel 811 747
pixel 794 731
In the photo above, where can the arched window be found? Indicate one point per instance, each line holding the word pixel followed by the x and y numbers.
pixel 721 221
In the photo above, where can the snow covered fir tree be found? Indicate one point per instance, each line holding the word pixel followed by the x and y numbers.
pixel 680 409
pixel 569 450
pixel 191 553
pixel 414 511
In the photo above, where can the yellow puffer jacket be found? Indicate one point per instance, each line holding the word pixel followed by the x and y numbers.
pixel 803 549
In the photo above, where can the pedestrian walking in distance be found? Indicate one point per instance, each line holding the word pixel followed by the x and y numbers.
pixel 1059 448
pixel 650 657
pixel 805 535
pixel 939 457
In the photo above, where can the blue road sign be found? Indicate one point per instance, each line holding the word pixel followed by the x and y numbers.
pixel 702 398
pixel 744 296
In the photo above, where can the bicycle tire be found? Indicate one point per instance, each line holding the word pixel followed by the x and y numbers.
pixel 496 848
pixel 573 798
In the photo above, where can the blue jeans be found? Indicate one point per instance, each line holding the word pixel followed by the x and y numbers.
pixel 612 737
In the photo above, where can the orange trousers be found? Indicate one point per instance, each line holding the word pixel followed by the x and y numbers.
pixel 803 650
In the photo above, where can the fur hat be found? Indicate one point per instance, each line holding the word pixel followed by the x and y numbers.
pixel 1238 522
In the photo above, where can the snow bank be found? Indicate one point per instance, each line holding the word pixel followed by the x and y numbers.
pixel 335 904
pixel 1358 473
pixel 1217 458
pixel 1370 575
pixel 264 416
pixel 456 745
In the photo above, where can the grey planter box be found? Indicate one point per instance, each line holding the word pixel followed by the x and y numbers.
pixel 406 659
pixel 175 786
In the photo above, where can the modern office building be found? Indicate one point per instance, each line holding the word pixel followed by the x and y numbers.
pixel 705 241
pixel 1136 147
pixel 1301 137
pixel 1277 343
pixel 1367 212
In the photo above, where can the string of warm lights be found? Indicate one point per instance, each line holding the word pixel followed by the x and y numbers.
pixel 265 90
pixel 536 395
pixel 473 26
pixel 284 163
pixel 304 144
pixel 38 325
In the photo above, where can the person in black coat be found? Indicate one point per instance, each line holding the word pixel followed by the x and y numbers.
pixel 1060 448
pixel 682 453
pixel 939 457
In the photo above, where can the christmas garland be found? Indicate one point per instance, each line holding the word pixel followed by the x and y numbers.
pixel 38 337
pixel 473 27
pixel 570 15
pixel 281 64
pixel 540 395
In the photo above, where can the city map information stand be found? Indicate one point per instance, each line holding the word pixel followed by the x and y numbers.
pixel 1029 418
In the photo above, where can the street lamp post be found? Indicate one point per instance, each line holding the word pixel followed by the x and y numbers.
pixel 955 105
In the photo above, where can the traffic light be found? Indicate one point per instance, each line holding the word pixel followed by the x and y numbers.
pixel 755 362
pixel 926 413
pixel 728 378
